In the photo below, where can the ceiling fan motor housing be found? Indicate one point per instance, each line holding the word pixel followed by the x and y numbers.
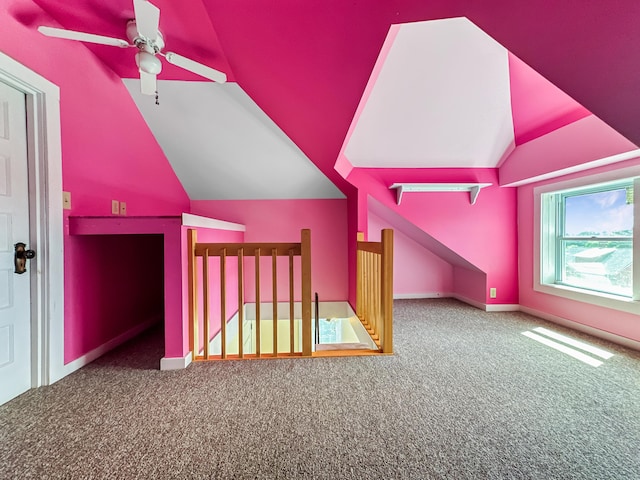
pixel 152 46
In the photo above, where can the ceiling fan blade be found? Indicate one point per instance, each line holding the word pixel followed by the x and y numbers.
pixel 147 19
pixel 82 36
pixel 196 67
pixel 148 84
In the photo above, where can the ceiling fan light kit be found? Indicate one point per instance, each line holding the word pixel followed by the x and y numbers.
pixel 148 63
pixel 143 34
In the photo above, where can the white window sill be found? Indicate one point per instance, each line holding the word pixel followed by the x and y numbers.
pixel 595 298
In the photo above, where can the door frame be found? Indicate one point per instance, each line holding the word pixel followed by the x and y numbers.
pixel 46 218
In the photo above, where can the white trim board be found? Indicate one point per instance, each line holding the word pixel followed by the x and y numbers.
pixel 45 182
pixel 191 220
pixel 487 307
pixel 409 296
pixel 502 307
pixel 175 363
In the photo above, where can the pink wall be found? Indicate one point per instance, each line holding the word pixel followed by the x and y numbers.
pixel 176 333
pixel 107 149
pixel 416 271
pixel 281 221
pixel 608 320
pixel 484 234
pixel 357 221
pixel 126 289
pixel 470 284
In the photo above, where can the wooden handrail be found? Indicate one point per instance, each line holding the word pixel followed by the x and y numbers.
pixel 242 250
pixel 372 247
pixel 282 249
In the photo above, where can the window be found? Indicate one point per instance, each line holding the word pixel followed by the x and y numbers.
pixel 587 242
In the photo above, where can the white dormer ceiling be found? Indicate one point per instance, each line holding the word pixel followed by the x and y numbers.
pixel 222 146
pixel 441 99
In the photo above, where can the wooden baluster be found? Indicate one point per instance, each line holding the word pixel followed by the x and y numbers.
pixel 359 285
pixel 258 336
pixel 192 236
pixel 387 289
pixel 223 303
pixel 291 310
pixel 370 293
pixel 240 302
pixel 205 302
pixel 274 299
pixel 374 291
pixel 363 279
pixel 305 261
pixel 376 277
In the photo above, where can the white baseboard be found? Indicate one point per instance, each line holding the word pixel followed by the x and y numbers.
pixel 108 346
pixel 410 296
pixel 611 337
pixel 488 307
pixel 175 363
pixel 502 307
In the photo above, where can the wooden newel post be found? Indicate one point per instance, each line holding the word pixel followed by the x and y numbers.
pixel 387 290
pixel 305 256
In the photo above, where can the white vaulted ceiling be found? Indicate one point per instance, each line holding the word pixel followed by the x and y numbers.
pixel 441 99
pixel 222 146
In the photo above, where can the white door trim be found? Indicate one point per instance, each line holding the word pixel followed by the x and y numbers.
pixel 45 198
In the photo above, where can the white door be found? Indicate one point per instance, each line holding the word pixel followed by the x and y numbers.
pixel 15 316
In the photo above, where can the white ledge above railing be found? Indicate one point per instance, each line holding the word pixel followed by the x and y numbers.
pixel 472 188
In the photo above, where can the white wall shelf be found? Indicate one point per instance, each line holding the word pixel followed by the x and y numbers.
pixel 472 188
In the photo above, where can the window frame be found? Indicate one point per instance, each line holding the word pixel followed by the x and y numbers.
pixel 546 242
pixel 562 238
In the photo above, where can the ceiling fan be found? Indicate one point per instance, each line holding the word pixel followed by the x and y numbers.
pixel 143 34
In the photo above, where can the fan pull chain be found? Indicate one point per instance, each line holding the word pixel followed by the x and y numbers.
pixel 157 98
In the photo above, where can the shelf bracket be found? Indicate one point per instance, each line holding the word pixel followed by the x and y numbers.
pixel 473 194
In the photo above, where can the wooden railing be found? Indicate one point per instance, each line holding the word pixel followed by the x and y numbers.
pixel 374 300
pixel 241 251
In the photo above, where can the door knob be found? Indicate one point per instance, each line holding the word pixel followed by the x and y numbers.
pixel 21 257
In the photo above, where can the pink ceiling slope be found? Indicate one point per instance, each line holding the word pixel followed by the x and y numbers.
pixel 306 64
pixel 538 107
pixel 445 94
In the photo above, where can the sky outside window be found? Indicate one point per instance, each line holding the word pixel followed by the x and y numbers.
pixel 601 213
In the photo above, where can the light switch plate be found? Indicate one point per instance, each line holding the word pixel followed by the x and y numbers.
pixel 66 200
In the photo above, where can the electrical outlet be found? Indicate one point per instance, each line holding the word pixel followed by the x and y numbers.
pixel 123 208
pixel 493 292
pixel 66 200
pixel 115 207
